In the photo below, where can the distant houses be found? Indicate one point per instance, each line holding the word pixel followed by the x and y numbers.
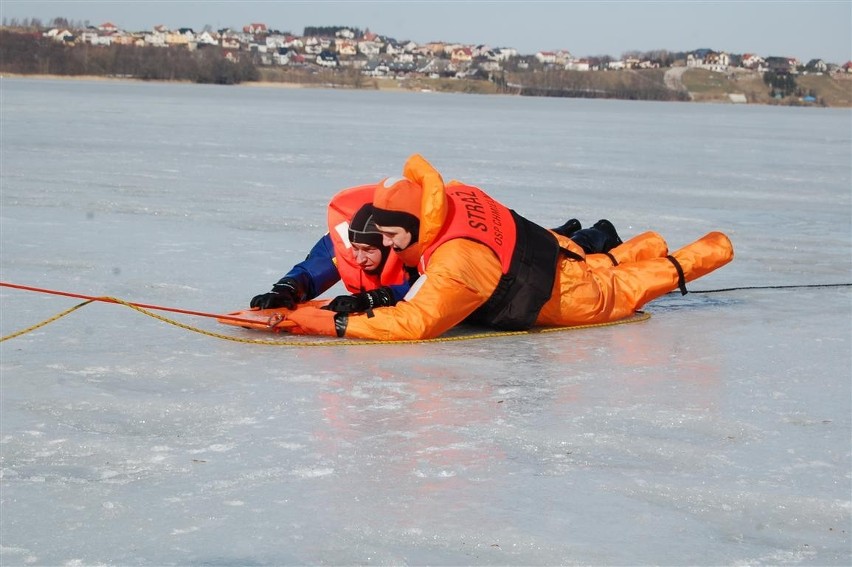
pixel 708 59
pixel 377 55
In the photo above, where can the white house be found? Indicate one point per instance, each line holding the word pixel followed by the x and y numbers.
pixel 94 37
pixel 61 35
pixel 275 41
pixel 157 37
pixel 546 57
pixel 294 42
pixel 346 47
pixel 280 59
pixel 718 62
pixel 816 66
pixel 231 42
pixel 480 50
pixel 316 45
pixel 578 65
pixel 207 38
pixel 710 60
pixel 461 55
pixel 563 57
pixel 369 48
pixel 255 28
pixel 504 53
pixel 752 61
pixel 410 47
pixel 392 48
pixel 326 59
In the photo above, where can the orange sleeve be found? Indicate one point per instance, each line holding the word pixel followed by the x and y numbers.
pixel 461 276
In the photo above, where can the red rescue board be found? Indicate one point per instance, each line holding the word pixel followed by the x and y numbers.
pixel 270 320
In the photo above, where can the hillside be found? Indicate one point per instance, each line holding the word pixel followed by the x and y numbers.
pixel 697 85
pixel 27 53
pixel 708 86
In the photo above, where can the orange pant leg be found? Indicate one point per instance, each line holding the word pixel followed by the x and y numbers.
pixel 583 293
pixel 641 247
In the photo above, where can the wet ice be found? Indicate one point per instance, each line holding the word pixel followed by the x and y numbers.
pixel 717 432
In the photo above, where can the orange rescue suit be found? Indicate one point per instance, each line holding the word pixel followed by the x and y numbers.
pixel 461 274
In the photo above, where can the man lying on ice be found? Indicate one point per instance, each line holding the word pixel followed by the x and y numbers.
pixel 483 263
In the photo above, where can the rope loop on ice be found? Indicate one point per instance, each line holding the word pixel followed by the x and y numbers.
pixel 636 318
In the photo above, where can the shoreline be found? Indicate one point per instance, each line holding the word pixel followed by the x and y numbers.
pixel 380 86
pixel 390 85
pixel 255 84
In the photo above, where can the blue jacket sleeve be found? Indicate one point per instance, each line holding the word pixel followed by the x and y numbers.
pixel 316 273
pixel 400 290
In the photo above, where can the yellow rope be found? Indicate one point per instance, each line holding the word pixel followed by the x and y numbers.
pixel 45 322
pixel 636 318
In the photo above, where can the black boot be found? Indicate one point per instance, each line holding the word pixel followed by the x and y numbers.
pixel 601 238
pixel 613 239
pixel 569 228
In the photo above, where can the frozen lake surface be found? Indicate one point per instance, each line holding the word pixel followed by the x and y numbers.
pixel 716 433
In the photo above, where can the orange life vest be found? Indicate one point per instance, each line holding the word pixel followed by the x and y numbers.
pixel 528 255
pixel 475 215
pixel 341 209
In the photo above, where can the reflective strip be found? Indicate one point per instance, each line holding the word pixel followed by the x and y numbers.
pixel 412 291
pixel 342 230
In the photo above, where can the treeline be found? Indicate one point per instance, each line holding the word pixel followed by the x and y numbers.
pixel 329 31
pixel 32 54
pixel 644 84
pixel 783 85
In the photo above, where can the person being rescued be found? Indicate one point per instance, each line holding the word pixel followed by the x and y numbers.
pixel 483 263
pixel 352 251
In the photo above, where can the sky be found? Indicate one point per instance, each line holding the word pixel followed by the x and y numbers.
pixel 802 29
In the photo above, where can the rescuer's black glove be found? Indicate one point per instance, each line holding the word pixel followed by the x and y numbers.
pixel 364 301
pixel 284 294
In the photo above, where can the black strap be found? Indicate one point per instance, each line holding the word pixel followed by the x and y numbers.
pixel 681 279
pixel 611 257
pixel 341 320
pixel 369 297
pixel 572 255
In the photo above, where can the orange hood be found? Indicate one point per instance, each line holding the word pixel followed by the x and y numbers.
pixel 433 205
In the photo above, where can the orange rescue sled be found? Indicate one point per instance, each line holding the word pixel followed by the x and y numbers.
pixel 270 320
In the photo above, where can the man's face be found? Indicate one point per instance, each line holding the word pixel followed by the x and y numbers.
pixel 395 236
pixel 369 258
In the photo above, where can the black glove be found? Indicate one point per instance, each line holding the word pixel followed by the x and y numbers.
pixel 284 294
pixel 364 301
